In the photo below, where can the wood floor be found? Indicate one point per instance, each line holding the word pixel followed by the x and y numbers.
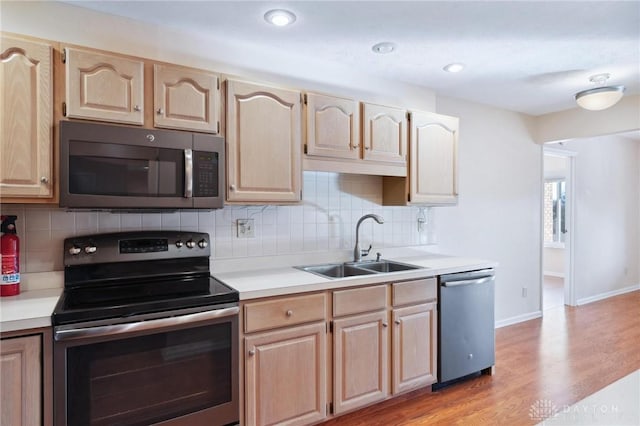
pixel 563 357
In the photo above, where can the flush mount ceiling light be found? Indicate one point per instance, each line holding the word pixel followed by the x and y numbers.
pixel 384 47
pixel 454 67
pixel 601 97
pixel 280 17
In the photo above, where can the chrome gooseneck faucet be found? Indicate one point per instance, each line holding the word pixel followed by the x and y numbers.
pixel 357 252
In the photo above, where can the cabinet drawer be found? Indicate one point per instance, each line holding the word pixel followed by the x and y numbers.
pixel 284 312
pixel 417 291
pixel 347 302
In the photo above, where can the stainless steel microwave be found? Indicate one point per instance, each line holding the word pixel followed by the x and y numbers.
pixel 120 168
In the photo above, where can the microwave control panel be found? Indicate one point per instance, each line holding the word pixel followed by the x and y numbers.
pixel 205 174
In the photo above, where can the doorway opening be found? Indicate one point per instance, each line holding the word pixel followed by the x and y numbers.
pixel 557 232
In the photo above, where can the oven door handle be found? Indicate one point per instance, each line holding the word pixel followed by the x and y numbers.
pixel 110 330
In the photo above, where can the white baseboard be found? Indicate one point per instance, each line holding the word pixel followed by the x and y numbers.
pixel 608 294
pixel 553 274
pixel 518 318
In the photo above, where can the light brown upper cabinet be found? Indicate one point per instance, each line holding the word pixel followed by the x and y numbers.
pixel 263 144
pixel 433 163
pixel 186 99
pixel 26 119
pixel 344 136
pixel 332 126
pixel 104 87
pixel 384 133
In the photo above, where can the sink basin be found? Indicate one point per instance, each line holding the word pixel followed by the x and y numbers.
pixel 350 269
pixel 336 270
pixel 387 266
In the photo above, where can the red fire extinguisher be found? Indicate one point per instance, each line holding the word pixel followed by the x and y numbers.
pixel 10 247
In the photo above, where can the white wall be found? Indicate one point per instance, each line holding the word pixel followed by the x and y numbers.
pixel 498 215
pixel 581 123
pixel 607 223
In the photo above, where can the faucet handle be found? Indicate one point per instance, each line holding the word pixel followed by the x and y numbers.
pixel 365 252
pixel 378 256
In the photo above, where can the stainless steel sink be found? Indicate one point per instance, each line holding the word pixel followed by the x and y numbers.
pixel 351 269
pixel 336 270
pixel 387 266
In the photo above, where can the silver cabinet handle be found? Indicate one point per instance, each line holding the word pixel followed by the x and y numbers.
pixel 252 352
pixel 367 148
pixel 397 322
pixel 289 312
pixel 384 324
pixel 188 173
pixel 137 108
pixel 160 111
pixel 44 179
pixel 232 187
pixel 108 330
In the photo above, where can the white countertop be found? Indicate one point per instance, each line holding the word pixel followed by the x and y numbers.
pixel 29 309
pixel 288 280
pixel 33 308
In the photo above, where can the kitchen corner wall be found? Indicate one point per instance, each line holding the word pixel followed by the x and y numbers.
pixel 325 221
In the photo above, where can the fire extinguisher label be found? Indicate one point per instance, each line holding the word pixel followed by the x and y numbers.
pixel 10 274
pixel 10 279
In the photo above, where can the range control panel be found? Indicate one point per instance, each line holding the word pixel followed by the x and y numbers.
pixel 135 246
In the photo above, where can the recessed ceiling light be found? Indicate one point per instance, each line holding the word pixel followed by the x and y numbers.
pixel 384 47
pixel 280 17
pixel 454 67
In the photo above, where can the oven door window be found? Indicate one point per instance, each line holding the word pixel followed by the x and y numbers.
pixel 122 170
pixel 148 379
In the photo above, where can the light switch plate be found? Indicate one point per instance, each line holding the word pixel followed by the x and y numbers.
pixel 245 228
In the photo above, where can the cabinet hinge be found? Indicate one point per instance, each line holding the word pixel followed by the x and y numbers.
pixel 63 54
pixel 330 326
pixel 64 109
pixel 218 83
pixel 331 408
pixel 304 98
pixel 305 148
pixel 408 116
pixel 218 127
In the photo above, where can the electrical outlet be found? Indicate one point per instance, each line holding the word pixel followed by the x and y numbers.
pixel 245 229
pixel 524 292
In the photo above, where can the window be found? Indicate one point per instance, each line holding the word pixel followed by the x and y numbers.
pixel 555 201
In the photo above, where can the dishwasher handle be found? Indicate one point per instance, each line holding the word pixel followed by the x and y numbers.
pixel 467 282
pixel 467 275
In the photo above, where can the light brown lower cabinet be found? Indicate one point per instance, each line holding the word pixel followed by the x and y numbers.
pixel 414 347
pixel 360 357
pixel 21 381
pixel 285 376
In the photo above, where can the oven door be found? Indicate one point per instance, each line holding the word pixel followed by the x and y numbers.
pixel 178 370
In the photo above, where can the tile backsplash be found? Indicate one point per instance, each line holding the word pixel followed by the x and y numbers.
pixel 325 221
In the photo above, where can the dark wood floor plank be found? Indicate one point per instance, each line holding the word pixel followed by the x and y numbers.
pixel 563 358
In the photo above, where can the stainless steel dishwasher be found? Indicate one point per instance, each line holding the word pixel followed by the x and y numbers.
pixel 466 325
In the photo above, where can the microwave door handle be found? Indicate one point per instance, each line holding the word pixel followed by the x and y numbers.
pixel 188 173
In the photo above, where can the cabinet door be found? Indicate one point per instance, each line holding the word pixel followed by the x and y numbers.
pixel 264 144
pixel 332 126
pixel 285 380
pixel 414 347
pixel 186 99
pixel 360 356
pixel 104 87
pixel 384 133
pixel 26 119
pixel 434 158
pixel 20 381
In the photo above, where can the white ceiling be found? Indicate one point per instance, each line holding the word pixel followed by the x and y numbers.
pixel 527 56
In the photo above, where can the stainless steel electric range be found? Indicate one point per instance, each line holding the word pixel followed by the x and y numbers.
pixel 143 334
